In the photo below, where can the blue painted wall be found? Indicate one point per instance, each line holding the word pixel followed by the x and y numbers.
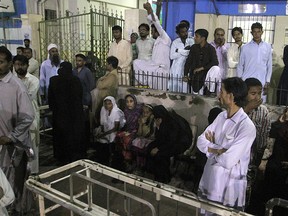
pixel 20 8
pixel 186 9
pixel 178 10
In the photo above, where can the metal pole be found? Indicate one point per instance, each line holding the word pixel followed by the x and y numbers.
pixel 92 29
pixel 4 31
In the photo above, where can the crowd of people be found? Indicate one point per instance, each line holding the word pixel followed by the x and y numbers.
pixel 240 148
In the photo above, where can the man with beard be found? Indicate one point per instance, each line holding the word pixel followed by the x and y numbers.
pixel 221 50
pixel 48 69
pixel 27 43
pixel 234 51
pixel 33 63
pixel 144 44
pixel 146 71
pixel 21 65
pixel 227 144
pixel 16 117
pixel 178 53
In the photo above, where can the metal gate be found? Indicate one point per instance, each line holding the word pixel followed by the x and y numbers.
pixel 79 33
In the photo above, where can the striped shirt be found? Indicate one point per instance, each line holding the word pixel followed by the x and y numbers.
pixel 262 123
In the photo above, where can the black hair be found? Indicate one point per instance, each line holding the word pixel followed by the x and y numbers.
pixel 238 88
pixel 180 26
pixel 202 32
pixel 155 29
pixel 134 34
pixel 251 82
pixel 6 52
pixel 20 47
pixel 186 22
pixel 65 68
pixel 145 25
pixel 219 29
pixel 26 39
pixel 213 113
pixel 256 25
pixel 80 55
pixel 28 48
pixel 117 27
pixel 239 29
pixel 23 59
pixel 160 112
pixel 113 61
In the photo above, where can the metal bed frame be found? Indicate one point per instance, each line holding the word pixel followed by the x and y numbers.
pixel 83 168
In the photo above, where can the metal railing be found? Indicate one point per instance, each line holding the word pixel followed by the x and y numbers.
pixel 176 84
pixel 158 197
pixel 275 202
pixel 167 82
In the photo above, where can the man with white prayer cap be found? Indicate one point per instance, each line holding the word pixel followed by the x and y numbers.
pixel 49 69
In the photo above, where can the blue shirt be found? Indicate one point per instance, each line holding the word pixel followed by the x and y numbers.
pixel 88 83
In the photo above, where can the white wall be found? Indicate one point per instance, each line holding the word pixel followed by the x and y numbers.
pixel 133 18
pixel 279 37
pixel 206 21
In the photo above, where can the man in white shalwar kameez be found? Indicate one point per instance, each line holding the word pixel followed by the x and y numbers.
pixel 256 59
pixel 234 51
pixel 178 53
pixel 122 50
pixel 227 143
pixel 159 64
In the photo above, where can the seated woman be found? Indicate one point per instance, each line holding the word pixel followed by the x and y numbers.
pixel 111 120
pixel 124 138
pixel 145 135
pixel 168 139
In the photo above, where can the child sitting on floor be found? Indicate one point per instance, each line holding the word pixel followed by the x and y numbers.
pixel 145 135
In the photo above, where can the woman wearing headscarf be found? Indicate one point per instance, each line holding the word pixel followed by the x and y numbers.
pixel 145 135
pixel 124 138
pixel 282 92
pixel 132 112
pixel 65 101
pixel 167 135
pixel 111 120
pixel 276 165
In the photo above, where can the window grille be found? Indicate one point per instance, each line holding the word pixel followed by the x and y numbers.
pixel 50 14
pixel 245 22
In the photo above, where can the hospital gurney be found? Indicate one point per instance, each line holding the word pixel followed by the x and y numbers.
pixel 84 187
